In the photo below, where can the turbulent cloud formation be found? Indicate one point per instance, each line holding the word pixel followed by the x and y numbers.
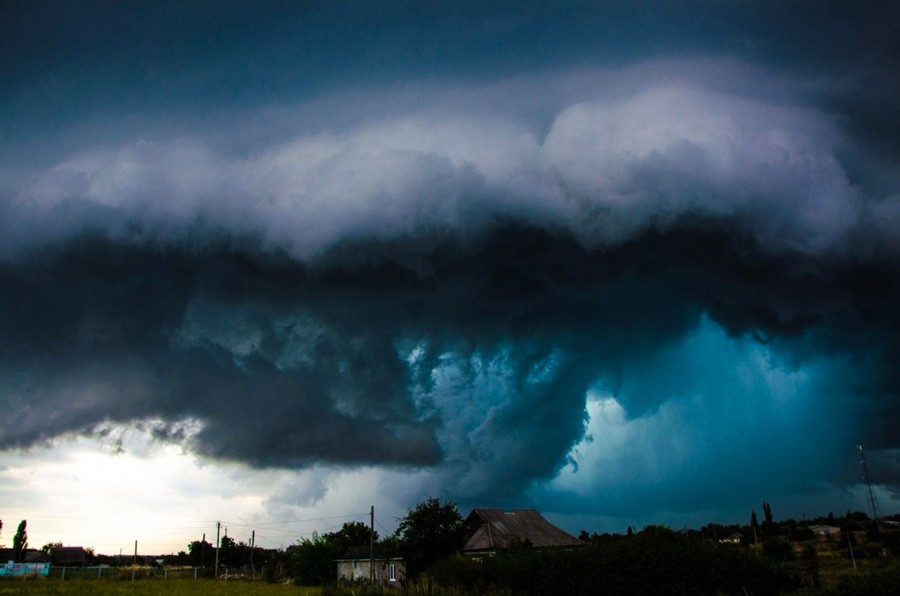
pixel 586 277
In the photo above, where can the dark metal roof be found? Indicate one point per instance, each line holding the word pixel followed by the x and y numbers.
pixel 493 529
pixel 64 555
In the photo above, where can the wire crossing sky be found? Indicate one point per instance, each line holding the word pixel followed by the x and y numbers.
pixel 625 263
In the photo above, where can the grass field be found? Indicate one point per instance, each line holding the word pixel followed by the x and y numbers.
pixel 200 587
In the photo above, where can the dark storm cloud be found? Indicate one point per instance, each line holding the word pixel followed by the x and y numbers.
pixel 286 363
pixel 424 242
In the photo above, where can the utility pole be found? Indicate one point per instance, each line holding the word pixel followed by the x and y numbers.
pixel 135 553
pixel 873 502
pixel 218 544
pixel 202 548
pixel 252 544
pixel 372 545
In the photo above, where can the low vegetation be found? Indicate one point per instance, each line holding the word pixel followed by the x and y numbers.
pixel 180 587
pixel 831 555
pixel 655 561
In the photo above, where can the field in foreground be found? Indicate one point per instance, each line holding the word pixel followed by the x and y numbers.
pixel 201 587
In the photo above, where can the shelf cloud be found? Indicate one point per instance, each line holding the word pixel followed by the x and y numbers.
pixel 591 282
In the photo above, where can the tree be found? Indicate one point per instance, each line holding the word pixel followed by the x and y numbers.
pixel 353 534
pixel 431 531
pixel 768 521
pixel 200 553
pixel 20 541
pixel 313 559
pixel 47 548
pixel 754 525
pixel 233 553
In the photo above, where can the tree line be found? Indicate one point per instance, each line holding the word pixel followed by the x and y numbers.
pixel 430 536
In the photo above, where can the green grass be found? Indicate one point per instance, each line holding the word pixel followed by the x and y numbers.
pixel 148 587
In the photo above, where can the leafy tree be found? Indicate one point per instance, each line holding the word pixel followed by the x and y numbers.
pixel 431 531
pixel 232 553
pixel 20 541
pixel 200 553
pixel 768 521
pixel 352 534
pixel 50 546
pixel 313 559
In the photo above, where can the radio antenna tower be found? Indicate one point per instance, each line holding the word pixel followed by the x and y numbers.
pixel 872 500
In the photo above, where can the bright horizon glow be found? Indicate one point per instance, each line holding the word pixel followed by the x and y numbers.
pixel 85 492
pixel 179 502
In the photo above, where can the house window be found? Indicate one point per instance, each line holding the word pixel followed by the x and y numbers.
pixel 392 572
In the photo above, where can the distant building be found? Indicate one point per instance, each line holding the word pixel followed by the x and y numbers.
pixel 823 530
pixel 487 531
pixel 733 538
pixel 68 555
pixel 389 571
pixel 29 555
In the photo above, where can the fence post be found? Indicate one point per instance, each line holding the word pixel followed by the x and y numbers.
pixel 99 571
pixel 64 572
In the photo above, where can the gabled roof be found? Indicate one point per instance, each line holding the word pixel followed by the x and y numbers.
pixel 492 529
pixel 64 555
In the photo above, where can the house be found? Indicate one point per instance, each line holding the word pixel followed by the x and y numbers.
pixel 487 531
pixel 68 555
pixel 356 565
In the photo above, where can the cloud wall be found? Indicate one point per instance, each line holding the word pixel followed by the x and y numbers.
pixel 509 283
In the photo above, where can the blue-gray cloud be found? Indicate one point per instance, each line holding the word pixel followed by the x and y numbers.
pixel 412 250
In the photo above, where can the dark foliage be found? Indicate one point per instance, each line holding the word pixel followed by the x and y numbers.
pixel 778 549
pixel 20 541
pixel 311 562
pixel 876 582
pixel 430 532
pixel 200 553
pixel 654 561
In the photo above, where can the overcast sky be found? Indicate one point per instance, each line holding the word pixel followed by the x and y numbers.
pixel 273 263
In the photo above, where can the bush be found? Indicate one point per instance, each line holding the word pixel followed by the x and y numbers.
pixel 655 561
pixel 876 582
pixel 778 549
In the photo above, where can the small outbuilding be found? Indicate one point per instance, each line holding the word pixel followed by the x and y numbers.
pixel 824 530
pixel 385 569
